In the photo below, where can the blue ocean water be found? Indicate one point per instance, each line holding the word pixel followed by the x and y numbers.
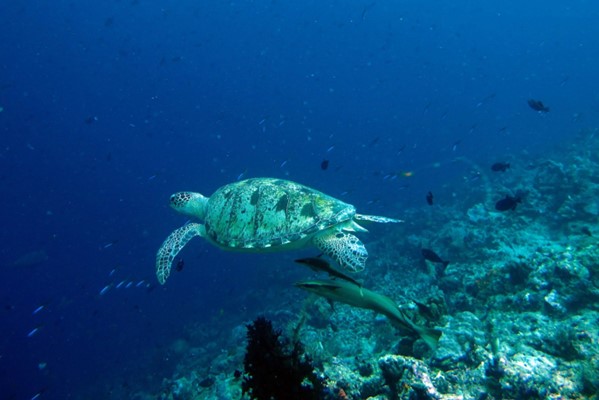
pixel 109 107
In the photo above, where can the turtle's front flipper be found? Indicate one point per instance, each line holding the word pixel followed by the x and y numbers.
pixel 345 248
pixel 376 218
pixel 172 246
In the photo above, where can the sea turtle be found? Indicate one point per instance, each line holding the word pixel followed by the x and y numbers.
pixel 266 214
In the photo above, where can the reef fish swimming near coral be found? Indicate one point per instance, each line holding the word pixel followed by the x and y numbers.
pixel 508 203
pixel 500 166
pixel 429 198
pixel 431 256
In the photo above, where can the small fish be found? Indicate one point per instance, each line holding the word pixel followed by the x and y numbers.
pixel 33 332
pixel 500 166
pixel 586 231
pixel 104 290
pixel 240 176
pixel 283 164
pixel 429 198
pixel 424 309
pixel 120 284
pixel 40 308
pixel 455 145
pixel 152 177
pixel 112 272
pixel 485 100
pixel 180 265
pixel 320 265
pixel 37 395
pixel 508 203
pixel 129 284
pixel 431 256
pixel 537 105
pixel 330 149
pixel 474 176
pixel 324 165
pixel 140 283
pixel 207 382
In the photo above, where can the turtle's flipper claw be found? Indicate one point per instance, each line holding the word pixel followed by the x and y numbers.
pixel 172 246
pixel 346 249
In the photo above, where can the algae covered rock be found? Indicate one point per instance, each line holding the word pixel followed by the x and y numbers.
pixel 462 342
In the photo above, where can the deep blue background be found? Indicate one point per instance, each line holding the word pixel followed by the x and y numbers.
pixel 109 107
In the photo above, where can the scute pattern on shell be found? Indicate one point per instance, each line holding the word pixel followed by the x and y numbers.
pixel 265 212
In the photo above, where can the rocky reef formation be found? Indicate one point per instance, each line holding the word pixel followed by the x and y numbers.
pixel 518 304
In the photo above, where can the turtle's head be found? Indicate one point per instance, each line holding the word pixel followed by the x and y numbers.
pixel 189 203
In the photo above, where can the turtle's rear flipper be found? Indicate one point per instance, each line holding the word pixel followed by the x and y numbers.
pixel 376 218
pixel 346 249
pixel 172 246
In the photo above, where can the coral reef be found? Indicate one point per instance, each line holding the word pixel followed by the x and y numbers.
pixel 518 305
pixel 277 370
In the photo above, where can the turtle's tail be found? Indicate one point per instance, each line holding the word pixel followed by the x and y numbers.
pixel 376 218
pixel 172 246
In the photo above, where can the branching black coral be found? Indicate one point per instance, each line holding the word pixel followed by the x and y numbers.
pixel 276 370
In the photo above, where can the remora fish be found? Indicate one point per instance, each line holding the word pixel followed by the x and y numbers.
pixel 318 264
pixel 357 296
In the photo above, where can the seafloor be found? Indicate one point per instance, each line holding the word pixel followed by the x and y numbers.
pixel 517 304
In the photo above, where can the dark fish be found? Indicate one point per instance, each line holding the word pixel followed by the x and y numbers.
pixel 423 309
pixel 508 203
pixel 318 264
pixel 429 198
pixel 180 265
pixel 324 165
pixel 374 141
pixel 431 256
pixel 207 382
pixel 500 166
pixel 537 105
pixel 586 231
pixel 91 119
